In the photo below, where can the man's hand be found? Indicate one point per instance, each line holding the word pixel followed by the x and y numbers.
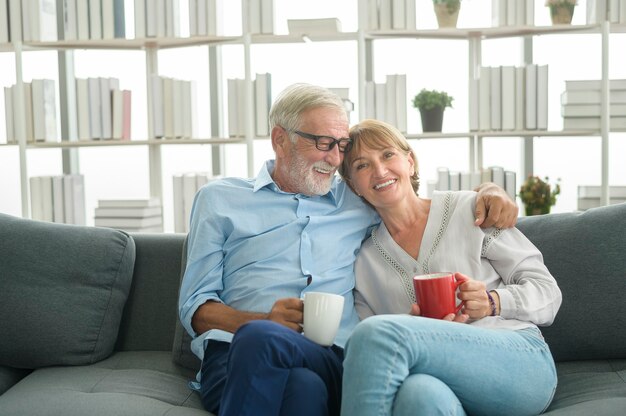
pixel 494 207
pixel 288 312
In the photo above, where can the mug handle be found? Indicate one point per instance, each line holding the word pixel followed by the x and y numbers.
pixel 457 283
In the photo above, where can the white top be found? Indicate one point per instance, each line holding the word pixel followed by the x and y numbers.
pixel 502 258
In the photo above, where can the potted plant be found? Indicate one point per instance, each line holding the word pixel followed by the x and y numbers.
pixel 537 195
pixel 431 104
pixel 447 12
pixel 561 11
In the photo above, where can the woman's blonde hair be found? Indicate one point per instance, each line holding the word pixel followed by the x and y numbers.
pixel 376 134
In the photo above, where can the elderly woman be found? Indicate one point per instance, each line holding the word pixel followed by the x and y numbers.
pixel 488 359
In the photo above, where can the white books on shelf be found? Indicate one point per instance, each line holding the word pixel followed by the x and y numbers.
pixel 443 179
pixel 370 99
pixel 593 123
pixel 70 22
pixel 508 98
pixel 474 104
pixel 158 124
pixel 589 196
pixel 180 225
pixel 44 110
pixel 186 185
pixel 68 199
pixel 542 97
pixel 497 175
pixel 498 13
pixel 121 111
pixel 15 17
pixel 95 113
pixel 28 111
pixel 177 108
pixel 107 85
pixel 591 110
pixel 42 16
pixel 113 19
pixel 36 199
pixel 161 17
pixel 254 16
pixel 531 96
pixel 398 14
pixel 596 11
pixel 465 181
pixel 381 101
pixel 455 181
pixel 385 15
pixel 58 198
pixel 322 26
pixel 233 107
pixel 172 18
pixel 475 179
pixel 263 101
pixel 391 99
pixel 411 14
pixel 520 98
pixel 215 13
pixel 8 115
pixel 46 196
pixel 401 103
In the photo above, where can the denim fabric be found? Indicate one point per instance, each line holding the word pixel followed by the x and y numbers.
pixel 405 365
pixel 266 362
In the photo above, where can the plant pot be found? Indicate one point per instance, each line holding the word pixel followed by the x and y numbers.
pixel 432 120
pixel 447 16
pixel 537 210
pixel 562 14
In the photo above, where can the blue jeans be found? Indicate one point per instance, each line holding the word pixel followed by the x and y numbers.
pixel 405 365
pixel 270 369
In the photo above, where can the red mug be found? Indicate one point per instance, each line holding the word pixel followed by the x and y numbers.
pixel 435 294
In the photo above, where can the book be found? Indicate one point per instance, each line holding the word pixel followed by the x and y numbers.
pixel 157 104
pixel 498 13
pixel 596 11
pixel 520 98
pixel 128 222
pixel 474 104
pixel 497 175
pixel 531 97
pixel 495 93
pixel 595 191
pixel 82 19
pixel 130 212
pixel 78 198
pixel 95 19
pixel 121 107
pixel 36 198
pixel 215 13
pixel 4 22
pixel 508 98
pixel 44 110
pixel 42 16
pixel 510 183
pixel 385 15
pixel 542 97
pixel 69 9
pixel 129 203
pixel 46 198
pixel 179 204
pixel 591 97
pixel 411 15
pixel 391 99
pixel 8 115
pixel 140 19
pixel 484 99
pixel 591 110
pixel 314 26
pixel 455 181
pixel 58 199
pixel 95 115
pixel 82 109
pixel 443 179
pixel 107 86
pixel 268 16
pixel 254 16
pixel 263 102
pixel 172 18
pixel 593 123
pixel 381 101
pixel 398 14
pixel 594 84
pixel 401 103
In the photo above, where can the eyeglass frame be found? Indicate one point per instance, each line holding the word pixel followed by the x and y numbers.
pixel 316 138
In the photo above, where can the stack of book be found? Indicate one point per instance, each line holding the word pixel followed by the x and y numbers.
pixel 600 10
pixel 581 105
pixel 448 180
pixel 186 185
pixel 156 18
pixel 509 98
pixel 40 111
pixel 131 215
pixel 58 198
pixel 103 109
pixel 390 15
pixel 174 106
pixel 5 35
pixel 261 16
pixel 387 101
pixel 589 196
pixel 262 86
pixel 204 17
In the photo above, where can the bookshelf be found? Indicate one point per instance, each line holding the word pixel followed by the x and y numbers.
pixel 362 40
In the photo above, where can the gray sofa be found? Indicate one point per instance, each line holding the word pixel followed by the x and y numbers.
pixel 89 325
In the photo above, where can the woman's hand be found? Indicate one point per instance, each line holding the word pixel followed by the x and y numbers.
pixel 460 318
pixel 474 294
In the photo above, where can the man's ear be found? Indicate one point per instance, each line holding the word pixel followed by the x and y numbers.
pixel 279 137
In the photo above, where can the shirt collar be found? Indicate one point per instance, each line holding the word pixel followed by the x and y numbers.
pixel 264 179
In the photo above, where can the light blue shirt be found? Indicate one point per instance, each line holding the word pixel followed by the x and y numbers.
pixel 251 244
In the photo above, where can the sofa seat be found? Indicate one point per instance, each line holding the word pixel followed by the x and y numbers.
pixel 127 383
pixel 594 387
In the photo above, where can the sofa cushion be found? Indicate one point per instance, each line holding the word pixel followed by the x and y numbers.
pixel 62 291
pixel 181 349
pixel 9 376
pixel 127 383
pixel 585 252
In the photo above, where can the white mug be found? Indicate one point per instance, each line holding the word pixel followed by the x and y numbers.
pixel 322 315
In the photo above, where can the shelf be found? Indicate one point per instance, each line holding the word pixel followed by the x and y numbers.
pixel 491 32
pixel 134 44
pixel 100 143
pixel 304 37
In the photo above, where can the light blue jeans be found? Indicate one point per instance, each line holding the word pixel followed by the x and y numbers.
pixel 406 365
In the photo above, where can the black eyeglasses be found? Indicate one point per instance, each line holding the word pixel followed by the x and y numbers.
pixel 326 143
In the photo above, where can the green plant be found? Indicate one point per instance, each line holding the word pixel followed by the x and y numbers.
pixel 429 99
pixel 452 5
pixel 537 194
pixel 552 4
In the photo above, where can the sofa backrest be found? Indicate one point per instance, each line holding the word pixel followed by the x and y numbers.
pixel 151 311
pixel 586 253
